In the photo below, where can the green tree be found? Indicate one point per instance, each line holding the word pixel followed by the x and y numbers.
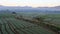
pixel 13 12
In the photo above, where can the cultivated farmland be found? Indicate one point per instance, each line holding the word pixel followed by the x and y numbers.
pixel 10 25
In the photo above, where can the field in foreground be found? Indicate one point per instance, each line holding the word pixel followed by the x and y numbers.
pixel 10 25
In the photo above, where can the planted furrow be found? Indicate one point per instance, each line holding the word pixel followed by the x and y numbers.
pixel 26 29
pixel 12 27
pixel 13 22
pixel 20 28
pixel 29 30
pixel 36 22
pixel 7 27
pixel 1 29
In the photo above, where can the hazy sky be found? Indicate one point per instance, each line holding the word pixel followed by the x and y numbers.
pixel 33 3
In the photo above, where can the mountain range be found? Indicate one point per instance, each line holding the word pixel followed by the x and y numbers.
pixel 25 9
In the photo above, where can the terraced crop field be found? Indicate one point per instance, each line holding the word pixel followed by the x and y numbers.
pixel 53 19
pixel 13 26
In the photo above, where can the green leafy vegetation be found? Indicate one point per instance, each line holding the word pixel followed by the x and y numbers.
pixel 10 25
